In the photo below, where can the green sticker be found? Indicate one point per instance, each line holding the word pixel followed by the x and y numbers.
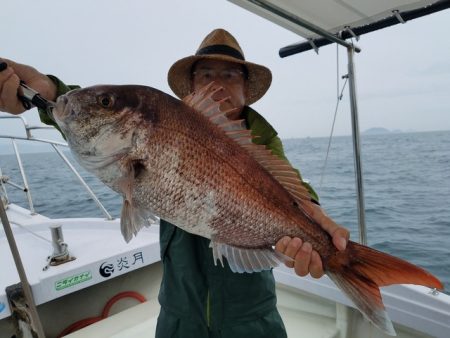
pixel 73 280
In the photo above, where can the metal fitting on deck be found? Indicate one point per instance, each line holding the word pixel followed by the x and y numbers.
pixel 60 253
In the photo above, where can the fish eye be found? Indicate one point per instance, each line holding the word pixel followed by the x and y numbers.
pixel 106 101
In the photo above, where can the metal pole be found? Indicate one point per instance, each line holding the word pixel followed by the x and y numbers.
pixel 24 178
pixel 21 271
pixel 3 181
pixel 356 149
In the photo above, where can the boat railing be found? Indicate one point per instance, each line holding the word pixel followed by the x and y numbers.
pixel 56 146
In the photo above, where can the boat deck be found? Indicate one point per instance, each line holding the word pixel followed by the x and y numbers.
pixel 304 315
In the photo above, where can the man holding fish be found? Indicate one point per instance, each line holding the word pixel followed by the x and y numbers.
pixel 198 298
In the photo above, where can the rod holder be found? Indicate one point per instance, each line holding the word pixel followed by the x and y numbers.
pixel 59 247
pixel 60 253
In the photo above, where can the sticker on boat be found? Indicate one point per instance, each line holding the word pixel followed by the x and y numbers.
pixel 73 280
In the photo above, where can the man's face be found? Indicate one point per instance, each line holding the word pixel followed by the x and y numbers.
pixel 228 75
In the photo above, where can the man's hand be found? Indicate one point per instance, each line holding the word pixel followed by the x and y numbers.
pixel 10 81
pixel 307 260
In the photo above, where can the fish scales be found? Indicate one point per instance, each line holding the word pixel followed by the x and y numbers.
pixel 227 202
pixel 192 167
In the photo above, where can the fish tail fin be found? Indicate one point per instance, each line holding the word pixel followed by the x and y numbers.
pixel 359 271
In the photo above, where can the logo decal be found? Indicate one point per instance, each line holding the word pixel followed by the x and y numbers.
pixel 73 280
pixel 121 263
pixel 106 269
pixel 2 306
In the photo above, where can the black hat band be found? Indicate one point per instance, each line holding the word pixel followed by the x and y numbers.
pixel 221 49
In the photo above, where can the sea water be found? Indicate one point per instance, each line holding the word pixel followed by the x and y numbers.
pixel 406 188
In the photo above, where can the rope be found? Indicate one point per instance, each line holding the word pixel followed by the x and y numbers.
pixel 339 98
pixel 31 232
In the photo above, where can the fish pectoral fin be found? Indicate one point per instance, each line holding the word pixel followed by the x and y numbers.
pixel 133 219
pixel 247 259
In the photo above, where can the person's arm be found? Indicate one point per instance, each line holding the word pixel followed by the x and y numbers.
pixel 49 86
pixel 10 79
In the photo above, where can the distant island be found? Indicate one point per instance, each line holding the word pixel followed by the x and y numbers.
pixel 379 130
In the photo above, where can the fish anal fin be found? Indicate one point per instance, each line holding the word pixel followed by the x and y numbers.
pixel 247 259
pixel 359 271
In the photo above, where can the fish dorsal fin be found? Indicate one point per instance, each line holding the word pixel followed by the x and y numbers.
pixel 202 101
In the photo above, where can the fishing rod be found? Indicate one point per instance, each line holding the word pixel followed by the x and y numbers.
pixel 28 293
pixel 29 98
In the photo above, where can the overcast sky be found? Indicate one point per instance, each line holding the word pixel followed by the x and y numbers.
pixel 403 72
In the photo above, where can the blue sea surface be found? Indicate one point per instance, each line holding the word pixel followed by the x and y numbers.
pixel 406 185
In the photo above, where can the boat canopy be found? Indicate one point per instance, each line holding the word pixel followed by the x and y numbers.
pixel 322 22
pixel 341 18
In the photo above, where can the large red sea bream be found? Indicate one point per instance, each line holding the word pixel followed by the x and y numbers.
pixel 188 164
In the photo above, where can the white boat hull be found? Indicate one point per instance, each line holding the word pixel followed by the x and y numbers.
pixel 309 307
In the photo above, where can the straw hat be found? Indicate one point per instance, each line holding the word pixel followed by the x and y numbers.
pixel 219 45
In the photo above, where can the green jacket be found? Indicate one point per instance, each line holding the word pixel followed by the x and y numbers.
pixel 200 299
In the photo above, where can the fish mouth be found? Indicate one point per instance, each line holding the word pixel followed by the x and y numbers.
pixel 61 109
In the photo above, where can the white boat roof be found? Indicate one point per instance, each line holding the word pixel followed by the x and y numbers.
pixel 330 15
pixel 326 21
